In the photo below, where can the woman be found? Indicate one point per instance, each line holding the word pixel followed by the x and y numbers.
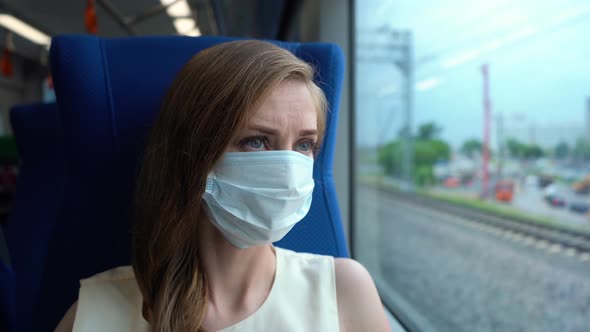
pixel 228 171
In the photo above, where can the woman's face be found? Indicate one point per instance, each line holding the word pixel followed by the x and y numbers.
pixel 286 120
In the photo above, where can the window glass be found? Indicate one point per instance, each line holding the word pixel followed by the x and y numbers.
pixel 472 188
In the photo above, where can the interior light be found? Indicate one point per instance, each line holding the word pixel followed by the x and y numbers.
pixel 183 25
pixel 194 32
pixel 179 9
pixel 23 29
pixel 181 13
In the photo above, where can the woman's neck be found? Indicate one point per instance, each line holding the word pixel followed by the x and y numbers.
pixel 239 280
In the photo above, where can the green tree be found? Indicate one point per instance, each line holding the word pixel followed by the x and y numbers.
pixel 471 147
pixel 390 157
pixel 427 151
pixel 515 148
pixel 521 150
pixel 426 154
pixel 424 176
pixel 562 150
pixel 533 151
pixel 429 131
pixel 402 133
pixel 582 149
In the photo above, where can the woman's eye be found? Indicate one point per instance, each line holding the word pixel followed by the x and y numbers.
pixel 254 143
pixel 306 146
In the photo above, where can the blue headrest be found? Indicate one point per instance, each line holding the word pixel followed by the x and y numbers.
pixel 108 91
pixel 37 200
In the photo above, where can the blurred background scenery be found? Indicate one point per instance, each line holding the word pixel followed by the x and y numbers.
pixel 472 130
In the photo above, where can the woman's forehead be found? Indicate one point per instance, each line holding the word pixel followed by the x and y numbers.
pixel 290 100
pixel 290 91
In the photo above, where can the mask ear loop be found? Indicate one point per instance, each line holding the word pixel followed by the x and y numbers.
pixel 210 180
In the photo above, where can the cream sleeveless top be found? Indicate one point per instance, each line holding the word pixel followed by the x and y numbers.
pixel 302 298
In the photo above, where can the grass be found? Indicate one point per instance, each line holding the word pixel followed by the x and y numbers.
pixel 477 204
pixel 375 180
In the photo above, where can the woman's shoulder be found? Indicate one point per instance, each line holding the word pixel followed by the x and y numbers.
pixel 303 261
pixel 110 301
pixel 305 287
pixel 359 306
pixel 304 256
pixel 118 273
pixel 118 284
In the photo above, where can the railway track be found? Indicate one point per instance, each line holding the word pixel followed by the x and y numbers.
pixel 564 237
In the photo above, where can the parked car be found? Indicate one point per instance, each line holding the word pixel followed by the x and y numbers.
pixel 504 191
pixel 555 200
pixel 544 181
pixel 452 182
pixel 582 187
pixel 580 207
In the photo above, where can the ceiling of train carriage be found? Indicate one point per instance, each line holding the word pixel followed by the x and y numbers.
pixel 241 18
pixel 67 16
pixel 256 18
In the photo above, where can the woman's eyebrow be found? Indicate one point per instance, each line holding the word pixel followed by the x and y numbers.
pixel 274 132
pixel 265 130
pixel 308 132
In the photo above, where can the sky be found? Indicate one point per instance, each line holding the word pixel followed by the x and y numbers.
pixel 538 53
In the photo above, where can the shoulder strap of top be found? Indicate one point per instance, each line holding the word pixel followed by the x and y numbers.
pixel 110 301
pixel 310 282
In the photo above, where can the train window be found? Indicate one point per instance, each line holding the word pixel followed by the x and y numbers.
pixel 472 167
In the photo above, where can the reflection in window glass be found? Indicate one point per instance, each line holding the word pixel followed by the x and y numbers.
pixel 473 161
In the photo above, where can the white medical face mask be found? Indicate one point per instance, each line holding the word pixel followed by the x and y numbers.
pixel 255 198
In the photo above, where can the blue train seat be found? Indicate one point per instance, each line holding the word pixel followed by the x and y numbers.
pixel 108 91
pixel 7 297
pixel 37 201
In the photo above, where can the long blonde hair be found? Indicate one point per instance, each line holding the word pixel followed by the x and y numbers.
pixel 208 102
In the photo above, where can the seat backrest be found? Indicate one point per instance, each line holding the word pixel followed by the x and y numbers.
pixel 7 298
pixel 108 91
pixel 7 289
pixel 37 200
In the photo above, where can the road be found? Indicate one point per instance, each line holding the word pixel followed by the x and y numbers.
pixel 531 200
pixel 456 276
